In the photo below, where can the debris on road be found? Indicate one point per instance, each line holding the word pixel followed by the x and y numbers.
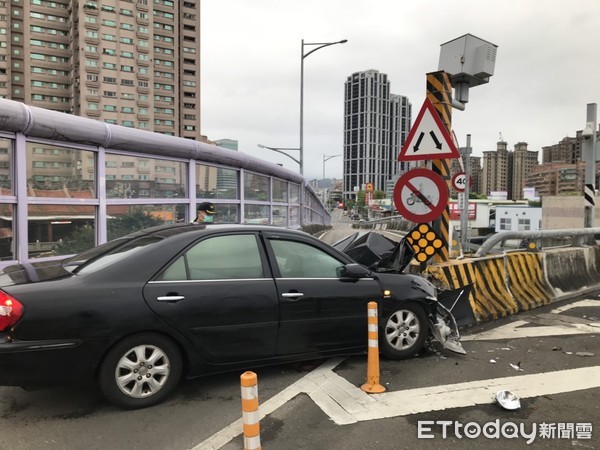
pixel 508 400
pixel 517 367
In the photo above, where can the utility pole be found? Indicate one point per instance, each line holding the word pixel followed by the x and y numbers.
pixel 589 136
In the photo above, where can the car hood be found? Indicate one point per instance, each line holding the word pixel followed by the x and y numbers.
pixel 32 273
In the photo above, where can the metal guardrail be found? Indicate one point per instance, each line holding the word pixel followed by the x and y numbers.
pixel 573 237
pixel 577 236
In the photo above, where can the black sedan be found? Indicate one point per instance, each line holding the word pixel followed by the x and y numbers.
pixel 139 313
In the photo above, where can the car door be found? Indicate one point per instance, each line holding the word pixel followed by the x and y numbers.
pixel 221 294
pixel 318 310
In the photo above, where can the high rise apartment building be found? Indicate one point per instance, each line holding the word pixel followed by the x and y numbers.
pixel 568 150
pixel 376 124
pixel 523 163
pixel 496 169
pixel 130 62
pixel 507 171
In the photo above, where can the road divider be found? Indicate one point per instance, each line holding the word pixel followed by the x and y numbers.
pixel 506 284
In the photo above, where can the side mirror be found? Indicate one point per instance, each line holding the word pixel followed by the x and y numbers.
pixel 353 271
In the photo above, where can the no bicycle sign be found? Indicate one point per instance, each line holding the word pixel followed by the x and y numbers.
pixel 421 195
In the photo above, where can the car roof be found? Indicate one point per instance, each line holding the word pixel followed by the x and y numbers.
pixel 165 231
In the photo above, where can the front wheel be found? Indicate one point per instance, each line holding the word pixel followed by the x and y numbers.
pixel 404 332
pixel 141 371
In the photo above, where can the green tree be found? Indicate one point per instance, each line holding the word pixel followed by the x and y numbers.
pixel 378 195
pixel 84 237
pixel 360 198
pixel 79 240
pixel 136 219
pixel 475 195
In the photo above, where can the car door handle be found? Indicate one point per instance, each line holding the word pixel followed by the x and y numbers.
pixel 170 298
pixel 292 296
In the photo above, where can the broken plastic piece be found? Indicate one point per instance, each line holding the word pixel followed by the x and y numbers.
pixel 517 367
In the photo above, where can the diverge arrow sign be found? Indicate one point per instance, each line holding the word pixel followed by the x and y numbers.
pixel 432 138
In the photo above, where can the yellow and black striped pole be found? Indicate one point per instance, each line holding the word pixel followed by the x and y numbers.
pixel 439 92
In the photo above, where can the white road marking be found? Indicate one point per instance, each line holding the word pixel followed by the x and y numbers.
pixel 516 329
pixel 234 429
pixel 437 398
pixel 345 403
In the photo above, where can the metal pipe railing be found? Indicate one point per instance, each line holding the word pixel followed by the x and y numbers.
pixel 503 236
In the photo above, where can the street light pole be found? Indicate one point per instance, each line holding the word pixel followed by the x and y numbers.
pixel 282 150
pixel 325 159
pixel 319 45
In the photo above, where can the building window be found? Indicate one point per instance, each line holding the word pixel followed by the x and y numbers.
pixel 505 223
pixel 524 224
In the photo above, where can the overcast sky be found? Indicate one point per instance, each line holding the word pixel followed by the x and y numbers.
pixel 547 68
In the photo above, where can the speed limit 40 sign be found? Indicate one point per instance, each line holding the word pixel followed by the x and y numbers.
pixel 459 181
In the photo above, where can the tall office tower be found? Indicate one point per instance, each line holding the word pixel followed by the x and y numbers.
pixel 130 62
pixel 376 124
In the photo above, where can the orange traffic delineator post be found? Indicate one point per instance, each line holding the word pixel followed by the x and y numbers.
pixel 372 385
pixel 251 418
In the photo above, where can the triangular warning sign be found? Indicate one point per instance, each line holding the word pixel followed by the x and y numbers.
pixel 428 138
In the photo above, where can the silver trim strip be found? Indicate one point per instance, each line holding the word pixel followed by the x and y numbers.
pixel 209 281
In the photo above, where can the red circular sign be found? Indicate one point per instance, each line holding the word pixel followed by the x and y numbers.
pixel 421 195
pixel 459 181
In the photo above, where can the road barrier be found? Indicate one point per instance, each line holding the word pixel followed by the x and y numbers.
pixel 372 385
pixel 571 269
pixel 489 298
pixel 518 281
pixel 250 415
pixel 526 280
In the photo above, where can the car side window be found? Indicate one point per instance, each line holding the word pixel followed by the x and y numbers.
pixel 300 260
pixel 218 258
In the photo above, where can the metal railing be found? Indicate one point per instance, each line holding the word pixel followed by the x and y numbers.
pixel 555 238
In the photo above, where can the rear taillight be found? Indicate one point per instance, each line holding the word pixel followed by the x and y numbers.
pixel 11 311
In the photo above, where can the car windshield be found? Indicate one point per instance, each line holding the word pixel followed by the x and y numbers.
pixel 106 254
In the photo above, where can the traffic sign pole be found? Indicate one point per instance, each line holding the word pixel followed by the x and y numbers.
pixel 439 92
pixel 464 215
